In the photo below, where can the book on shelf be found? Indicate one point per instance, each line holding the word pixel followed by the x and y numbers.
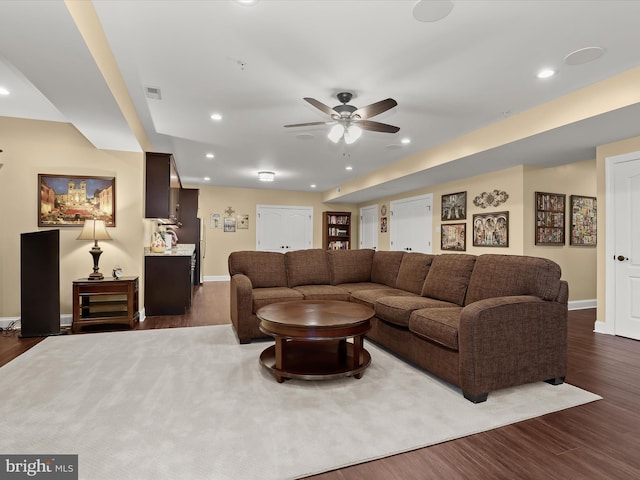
pixel 338 245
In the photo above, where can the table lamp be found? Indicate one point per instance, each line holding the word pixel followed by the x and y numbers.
pixel 95 230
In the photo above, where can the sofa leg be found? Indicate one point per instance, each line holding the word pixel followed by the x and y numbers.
pixel 476 398
pixel 555 381
pixel 244 340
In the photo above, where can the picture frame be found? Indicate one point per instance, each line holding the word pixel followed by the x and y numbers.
pixel 583 227
pixel 216 221
pixel 491 229
pixel 453 206
pixel 453 236
pixel 243 221
pixel 550 218
pixel 229 224
pixel 69 200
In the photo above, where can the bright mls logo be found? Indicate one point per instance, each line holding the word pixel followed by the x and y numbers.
pixel 50 467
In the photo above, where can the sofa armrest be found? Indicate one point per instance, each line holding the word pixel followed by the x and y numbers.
pixel 241 303
pixel 513 340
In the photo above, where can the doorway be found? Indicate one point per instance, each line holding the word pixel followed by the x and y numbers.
pixel 622 256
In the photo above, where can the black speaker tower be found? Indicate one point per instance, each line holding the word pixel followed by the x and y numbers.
pixel 40 283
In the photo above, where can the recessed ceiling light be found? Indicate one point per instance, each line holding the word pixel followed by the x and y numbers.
pixel 247 3
pixel 266 176
pixel 216 116
pixel 584 55
pixel 348 167
pixel 4 91
pixel 210 155
pixel 546 73
pixel 313 185
pixel 406 141
pixel 206 179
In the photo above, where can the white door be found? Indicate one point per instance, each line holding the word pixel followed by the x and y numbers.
pixel 410 224
pixel 369 227
pixel 623 245
pixel 283 228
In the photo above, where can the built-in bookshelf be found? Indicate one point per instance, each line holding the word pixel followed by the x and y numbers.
pixel 336 230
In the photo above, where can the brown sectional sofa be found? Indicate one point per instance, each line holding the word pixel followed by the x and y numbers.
pixel 482 323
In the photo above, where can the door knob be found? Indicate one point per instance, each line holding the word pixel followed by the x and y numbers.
pixel 622 258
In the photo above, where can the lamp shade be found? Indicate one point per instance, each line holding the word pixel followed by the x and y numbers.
pixel 94 230
pixel 336 132
pixel 351 134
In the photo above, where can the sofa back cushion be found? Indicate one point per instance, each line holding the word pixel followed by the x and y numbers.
pixel 505 275
pixel 385 266
pixel 307 267
pixel 350 266
pixel 413 271
pixel 448 277
pixel 264 269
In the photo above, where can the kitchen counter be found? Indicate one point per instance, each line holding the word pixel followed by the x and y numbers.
pixel 180 250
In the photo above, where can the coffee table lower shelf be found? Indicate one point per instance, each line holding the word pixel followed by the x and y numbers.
pixel 315 360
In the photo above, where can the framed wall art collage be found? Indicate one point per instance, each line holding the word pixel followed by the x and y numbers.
pixel 551 219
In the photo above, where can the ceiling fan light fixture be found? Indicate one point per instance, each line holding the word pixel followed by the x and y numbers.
pixel 336 133
pixel 266 176
pixel 351 134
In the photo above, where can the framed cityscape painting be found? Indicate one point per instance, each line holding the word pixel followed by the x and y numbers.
pixel 454 206
pixel 453 236
pixel 68 200
pixel 491 229
pixel 550 210
pixel 584 223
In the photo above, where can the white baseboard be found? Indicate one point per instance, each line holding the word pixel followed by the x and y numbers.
pixel 217 278
pixel 603 327
pixel 6 321
pixel 582 304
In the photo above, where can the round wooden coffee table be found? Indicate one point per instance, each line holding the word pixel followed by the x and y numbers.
pixel 311 339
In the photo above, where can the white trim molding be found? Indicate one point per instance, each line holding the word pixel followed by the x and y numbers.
pixel 583 304
pixel 217 278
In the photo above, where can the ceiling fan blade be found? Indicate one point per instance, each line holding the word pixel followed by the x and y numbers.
pixel 376 126
pixel 375 108
pixel 308 124
pixel 321 106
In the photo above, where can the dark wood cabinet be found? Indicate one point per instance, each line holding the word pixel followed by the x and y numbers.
pixel 107 301
pixel 336 230
pixel 162 187
pixel 168 284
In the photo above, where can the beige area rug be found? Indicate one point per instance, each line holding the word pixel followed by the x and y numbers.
pixel 192 404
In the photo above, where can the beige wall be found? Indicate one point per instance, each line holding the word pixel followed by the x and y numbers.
pixel 602 153
pixel 244 201
pixel 32 147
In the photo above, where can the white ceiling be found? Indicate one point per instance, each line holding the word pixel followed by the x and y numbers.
pixel 255 64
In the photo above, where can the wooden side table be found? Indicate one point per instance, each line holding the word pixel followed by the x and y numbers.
pixel 108 301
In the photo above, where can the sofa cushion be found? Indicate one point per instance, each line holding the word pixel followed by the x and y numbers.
pixel 413 271
pixel 448 277
pixel 439 325
pixel 267 296
pixel 307 267
pixel 369 297
pixel 350 266
pixel 398 309
pixel 506 275
pixel 264 269
pixel 356 287
pixel 385 266
pixel 323 292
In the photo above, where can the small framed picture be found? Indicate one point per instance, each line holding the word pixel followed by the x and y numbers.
pixel 216 220
pixel 243 221
pixel 453 236
pixel 550 210
pixel 491 229
pixel 454 206
pixel 584 221
pixel 229 224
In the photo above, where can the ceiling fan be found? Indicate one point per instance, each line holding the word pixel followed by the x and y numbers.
pixel 348 121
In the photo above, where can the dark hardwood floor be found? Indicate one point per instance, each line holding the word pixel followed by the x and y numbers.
pixel 599 440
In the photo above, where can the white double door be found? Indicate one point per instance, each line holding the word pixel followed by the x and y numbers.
pixel 623 244
pixel 410 224
pixel 281 228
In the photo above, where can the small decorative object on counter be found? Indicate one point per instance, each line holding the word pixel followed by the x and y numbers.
pixel 117 271
pixel 158 244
